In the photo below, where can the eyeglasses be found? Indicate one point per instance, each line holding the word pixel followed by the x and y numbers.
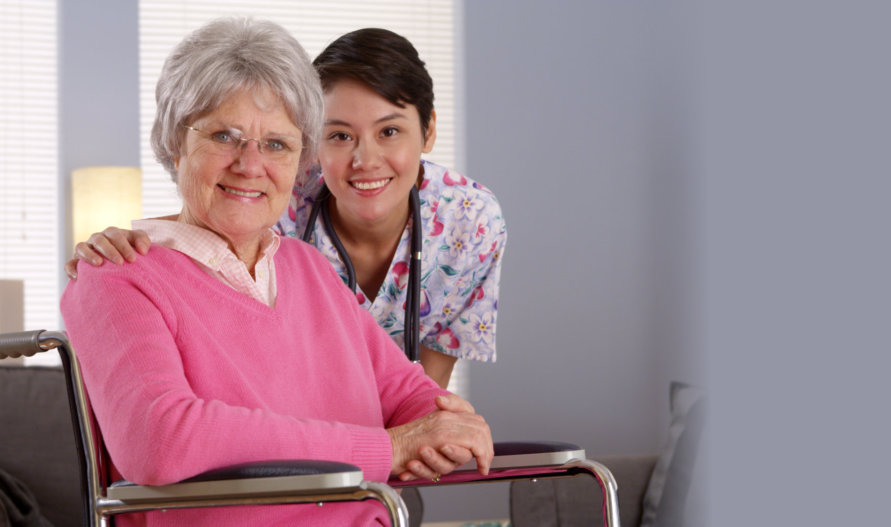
pixel 231 141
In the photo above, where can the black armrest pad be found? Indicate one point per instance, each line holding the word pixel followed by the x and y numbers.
pixel 513 448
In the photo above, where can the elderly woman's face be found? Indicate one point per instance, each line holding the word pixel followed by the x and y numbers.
pixel 239 192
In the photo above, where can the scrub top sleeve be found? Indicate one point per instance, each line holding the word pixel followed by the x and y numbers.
pixel 471 309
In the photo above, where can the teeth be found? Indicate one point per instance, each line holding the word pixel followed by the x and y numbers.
pixel 370 185
pixel 242 193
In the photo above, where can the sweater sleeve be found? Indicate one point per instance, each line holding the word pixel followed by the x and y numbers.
pixel 155 427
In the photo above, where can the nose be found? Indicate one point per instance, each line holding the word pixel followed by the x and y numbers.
pixel 249 159
pixel 367 156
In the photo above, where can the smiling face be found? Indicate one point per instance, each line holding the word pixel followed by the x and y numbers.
pixel 370 154
pixel 238 194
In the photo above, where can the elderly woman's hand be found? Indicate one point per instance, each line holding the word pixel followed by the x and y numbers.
pixel 113 244
pixel 441 441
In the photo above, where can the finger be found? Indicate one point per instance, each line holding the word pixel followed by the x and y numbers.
pixel 141 242
pixel 436 461
pixel 407 476
pixel 483 457
pixel 83 251
pixel 454 403
pixel 456 454
pixel 71 268
pixel 122 241
pixel 420 470
pixel 102 245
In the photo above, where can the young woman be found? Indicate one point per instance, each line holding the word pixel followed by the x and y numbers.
pixel 379 120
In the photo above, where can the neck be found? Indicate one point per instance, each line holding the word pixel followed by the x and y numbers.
pixel 381 233
pixel 246 249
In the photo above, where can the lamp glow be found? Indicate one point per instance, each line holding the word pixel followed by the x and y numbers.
pixel 104 197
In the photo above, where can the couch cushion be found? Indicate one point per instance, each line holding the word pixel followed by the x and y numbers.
pixel 38 440
pixel 570 502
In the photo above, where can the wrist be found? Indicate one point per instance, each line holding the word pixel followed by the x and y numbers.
pixel 397 465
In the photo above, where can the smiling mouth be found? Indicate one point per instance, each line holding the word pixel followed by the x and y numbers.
pixel 243 193
pixel 369 185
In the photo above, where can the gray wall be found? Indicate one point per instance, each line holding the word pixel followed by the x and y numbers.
pixel 575 118
pixel 794 141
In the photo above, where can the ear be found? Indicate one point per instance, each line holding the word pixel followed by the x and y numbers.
pixel 431 134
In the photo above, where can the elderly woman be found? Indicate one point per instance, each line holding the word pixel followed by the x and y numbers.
pixel 229 344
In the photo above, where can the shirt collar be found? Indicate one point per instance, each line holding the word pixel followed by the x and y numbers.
pixel 202 245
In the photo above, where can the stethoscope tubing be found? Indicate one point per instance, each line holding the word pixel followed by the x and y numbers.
pixel 412 320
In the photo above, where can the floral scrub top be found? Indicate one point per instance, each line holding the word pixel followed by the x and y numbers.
pixel 463 240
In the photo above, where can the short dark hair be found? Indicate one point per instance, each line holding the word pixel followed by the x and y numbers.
pixel 385 62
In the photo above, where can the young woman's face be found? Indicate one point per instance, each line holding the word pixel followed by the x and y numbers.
pixel 370 152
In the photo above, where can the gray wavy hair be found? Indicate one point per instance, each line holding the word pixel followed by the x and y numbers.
pixel 227 55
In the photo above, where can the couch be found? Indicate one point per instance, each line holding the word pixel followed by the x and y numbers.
pixel 37 445
pixel 37 449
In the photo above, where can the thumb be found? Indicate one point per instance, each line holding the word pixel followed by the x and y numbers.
pixel 454 403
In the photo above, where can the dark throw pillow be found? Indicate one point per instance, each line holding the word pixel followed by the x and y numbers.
pixel 18 506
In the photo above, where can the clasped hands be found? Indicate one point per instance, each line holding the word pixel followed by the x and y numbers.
pixel 441 441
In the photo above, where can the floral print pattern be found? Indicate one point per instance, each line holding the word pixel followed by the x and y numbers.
pixel 463 239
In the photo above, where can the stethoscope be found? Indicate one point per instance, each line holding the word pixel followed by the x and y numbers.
pixel 413 291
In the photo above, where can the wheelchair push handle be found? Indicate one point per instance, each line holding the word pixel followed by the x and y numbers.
pixel 29 343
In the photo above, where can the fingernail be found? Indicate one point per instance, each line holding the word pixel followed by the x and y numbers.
pixel 447 450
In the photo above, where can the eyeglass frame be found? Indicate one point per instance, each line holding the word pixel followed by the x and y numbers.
pixel 262 144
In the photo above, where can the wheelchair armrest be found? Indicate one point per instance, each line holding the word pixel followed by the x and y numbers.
pixel 248 479
pixel 516 454
pixel 513 459
pixel 532 460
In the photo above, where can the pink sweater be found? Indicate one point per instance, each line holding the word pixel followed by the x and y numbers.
pixel 185 374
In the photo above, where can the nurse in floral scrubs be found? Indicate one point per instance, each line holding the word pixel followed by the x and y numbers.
pixel 379 120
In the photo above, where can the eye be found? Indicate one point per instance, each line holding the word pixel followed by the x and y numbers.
pixel 276 145
pixel 224 137
pixel 389 131
pixel 339 137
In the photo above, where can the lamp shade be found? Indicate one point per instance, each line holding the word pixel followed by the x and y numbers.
pixel 104 197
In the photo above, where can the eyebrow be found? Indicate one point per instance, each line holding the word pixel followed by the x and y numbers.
pixel 388 117
pixel 219 123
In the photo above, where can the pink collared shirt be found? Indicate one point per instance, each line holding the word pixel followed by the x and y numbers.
pixel 212 253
